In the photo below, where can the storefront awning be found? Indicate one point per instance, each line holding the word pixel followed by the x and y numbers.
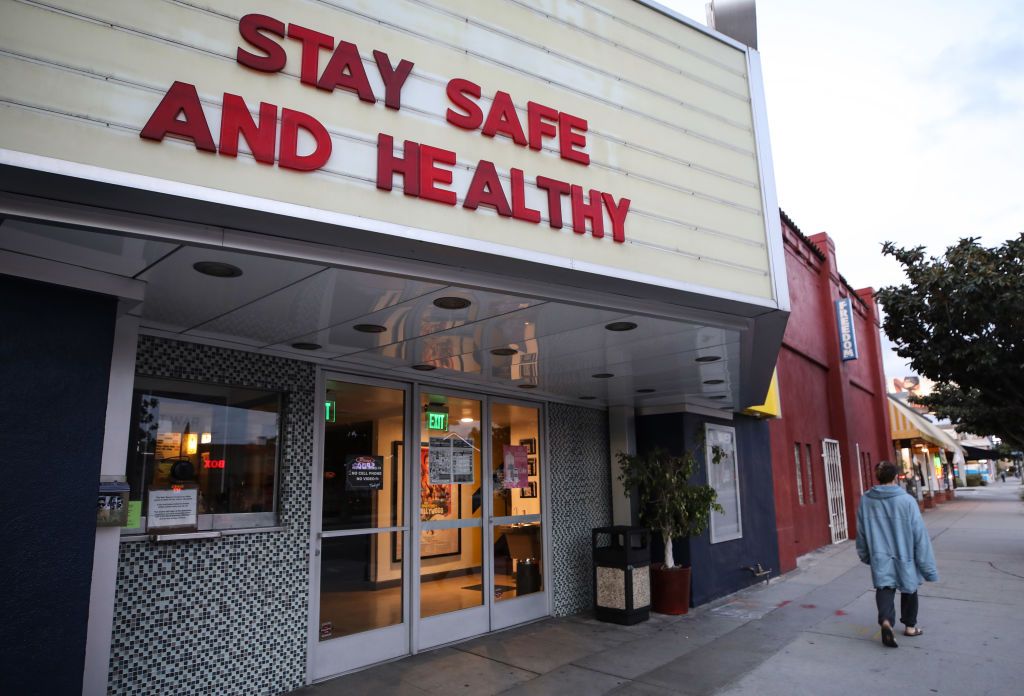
pixel 978 453
pixel 908 424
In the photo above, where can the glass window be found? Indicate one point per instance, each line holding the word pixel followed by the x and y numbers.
pixel 364 436
pixel 450 504
pixel 723 477
pixel 517 560
pixel 222 440
pixel 799 478
pixel 810 476
pixel 360 589
pixel 515 460
pixel 361 575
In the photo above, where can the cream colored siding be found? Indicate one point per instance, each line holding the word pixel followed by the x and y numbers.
pixel 668 109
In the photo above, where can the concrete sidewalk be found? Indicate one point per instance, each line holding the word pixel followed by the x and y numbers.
pixel 810 632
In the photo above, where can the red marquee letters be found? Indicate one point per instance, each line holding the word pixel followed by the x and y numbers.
pixel 426 171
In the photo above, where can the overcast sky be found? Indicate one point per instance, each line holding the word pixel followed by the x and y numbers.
pixel 899 121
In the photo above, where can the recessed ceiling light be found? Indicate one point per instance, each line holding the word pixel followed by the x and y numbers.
pixel 527 386
pixel 708 358
pixel 452 302
pixel 503 351
pixel 424 367
pixel 620 326
pixel 370 328
pixel 217 269
pixel 307 346
pixel 587 398
pixel 645 391
pixel 714 381
pixel 603 375
pixel 467 419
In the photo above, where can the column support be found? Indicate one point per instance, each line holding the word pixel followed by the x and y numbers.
pixel 112 468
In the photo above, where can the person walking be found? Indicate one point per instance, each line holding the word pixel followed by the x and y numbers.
pixel 892 539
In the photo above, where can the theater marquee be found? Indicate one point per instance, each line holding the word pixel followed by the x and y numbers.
pixel 594 136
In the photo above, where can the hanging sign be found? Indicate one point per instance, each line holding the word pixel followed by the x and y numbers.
pixel 462 460
pixel 450 460
pixel 437 420
pixel 439 461
pixel 847 335
pixel 516 466
pixel 364 473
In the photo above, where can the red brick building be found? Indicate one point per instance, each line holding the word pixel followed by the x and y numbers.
pixel 834 426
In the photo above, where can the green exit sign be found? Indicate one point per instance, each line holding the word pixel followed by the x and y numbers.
pixel 437 421
pixel 330 411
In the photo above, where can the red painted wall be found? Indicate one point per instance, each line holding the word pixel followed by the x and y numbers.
pixel 822 397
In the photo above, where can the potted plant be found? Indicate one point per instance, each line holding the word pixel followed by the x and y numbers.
pixel 670 504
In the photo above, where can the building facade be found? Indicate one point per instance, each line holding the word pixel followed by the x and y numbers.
pixel 834 426
pixel 358 301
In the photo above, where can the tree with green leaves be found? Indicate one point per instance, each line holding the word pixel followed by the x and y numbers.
pixel 667 501
pixel 960 321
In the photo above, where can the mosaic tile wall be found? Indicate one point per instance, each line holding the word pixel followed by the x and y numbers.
pixel 580 499
pixel 228 615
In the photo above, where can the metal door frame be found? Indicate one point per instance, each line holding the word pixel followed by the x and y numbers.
pixel 434 631
pixel 511 612
pixel 384 643
pixel 485 618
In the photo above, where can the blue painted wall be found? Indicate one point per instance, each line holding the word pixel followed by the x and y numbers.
pixel 719 569
pixel 55 349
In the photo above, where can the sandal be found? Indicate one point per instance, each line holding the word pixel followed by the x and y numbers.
pixel 913 631
pixel 888 640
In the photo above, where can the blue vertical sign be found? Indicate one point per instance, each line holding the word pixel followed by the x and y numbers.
pixel 847 336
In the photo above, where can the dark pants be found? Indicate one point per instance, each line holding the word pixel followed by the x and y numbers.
pixel 885 600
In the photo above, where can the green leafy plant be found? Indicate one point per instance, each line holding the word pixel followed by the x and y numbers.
pixel 668 501
pixel 958 320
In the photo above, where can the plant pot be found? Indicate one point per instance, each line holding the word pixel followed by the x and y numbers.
pixel 670 589
pixel 920 504
pixel 929 503
pixel 951 494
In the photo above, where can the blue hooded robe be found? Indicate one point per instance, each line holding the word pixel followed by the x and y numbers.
pixel 892 539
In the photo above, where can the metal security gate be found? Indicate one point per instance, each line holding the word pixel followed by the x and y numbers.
pixel 834 485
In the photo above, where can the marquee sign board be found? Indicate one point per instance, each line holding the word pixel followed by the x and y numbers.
pixel 603 136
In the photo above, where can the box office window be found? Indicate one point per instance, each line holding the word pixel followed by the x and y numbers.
pixel 222 440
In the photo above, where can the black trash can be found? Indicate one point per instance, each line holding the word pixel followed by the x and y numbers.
pixel 622 574
pixel 527 577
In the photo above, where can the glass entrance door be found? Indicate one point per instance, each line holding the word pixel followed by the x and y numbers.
pixel 516 530
pixel 452 589
pixel 359 586
pixel 428 525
